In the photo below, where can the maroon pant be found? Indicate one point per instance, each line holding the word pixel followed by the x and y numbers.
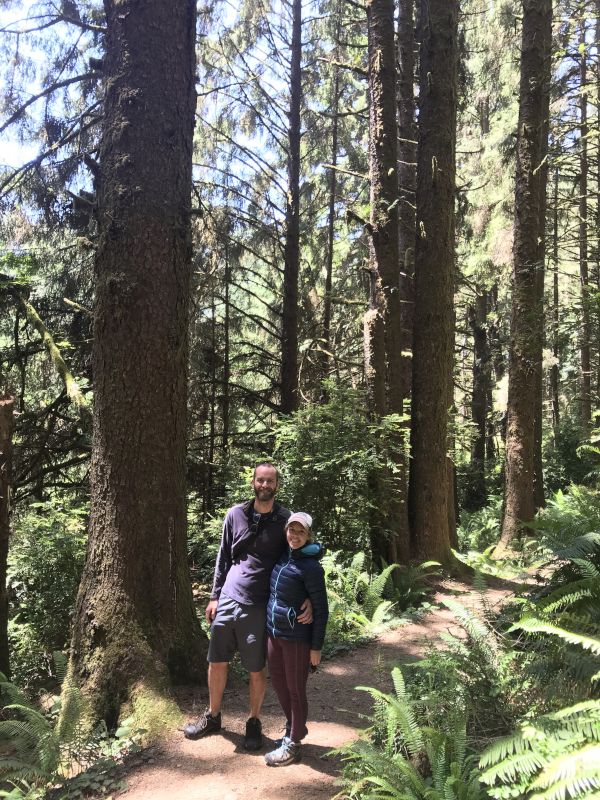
pixel 289 662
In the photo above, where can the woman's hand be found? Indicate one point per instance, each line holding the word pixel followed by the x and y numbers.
pixel 315 658
pixel 306 617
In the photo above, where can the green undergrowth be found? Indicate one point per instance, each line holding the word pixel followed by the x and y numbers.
pixel 508 708
pixel 362 603
pixel 50 752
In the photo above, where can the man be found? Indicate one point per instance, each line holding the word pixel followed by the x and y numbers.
pixel 253 540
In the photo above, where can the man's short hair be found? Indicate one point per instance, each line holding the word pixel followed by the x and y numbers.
pixel 267 464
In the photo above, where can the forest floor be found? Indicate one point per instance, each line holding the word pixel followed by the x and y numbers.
pixel 218 767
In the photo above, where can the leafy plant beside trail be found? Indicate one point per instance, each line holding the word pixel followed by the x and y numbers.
pixel 497 696
pixel 41 757
pixel 567 516
pixel 480 529
pixel 44 567
pixel 407 759
pixel 361 603
pixel 557 755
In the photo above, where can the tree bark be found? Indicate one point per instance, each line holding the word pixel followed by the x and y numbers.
pixel 135 625
pixel 384 262
pixel 519 501
pixel 434 280
pixel 585 333
pixel 226 361
pixel 476 494
pixel 326 360
pixel 538 466
pixel 597 259
pixel 554 372
pixel 291 273
pixel 407 173
pixel 6 433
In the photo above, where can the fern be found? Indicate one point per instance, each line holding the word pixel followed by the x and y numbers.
pixel 554 757
pixel 416 762
pixel 571 774
pixel 29 740
pixel 533 625
pixel 34 754
pixel 375 589
pixel 479 632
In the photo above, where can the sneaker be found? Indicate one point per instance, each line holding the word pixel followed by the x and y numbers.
pixel 253 738
pixel 287 753
pixel 203 726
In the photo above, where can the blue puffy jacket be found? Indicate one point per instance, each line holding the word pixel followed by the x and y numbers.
pixel 296 576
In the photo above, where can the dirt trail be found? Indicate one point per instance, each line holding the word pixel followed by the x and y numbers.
pixel 219 768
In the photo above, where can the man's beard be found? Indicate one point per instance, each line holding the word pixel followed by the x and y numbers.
pixel 264 494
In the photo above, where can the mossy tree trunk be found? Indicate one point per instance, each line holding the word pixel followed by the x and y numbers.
pixel 585 334
pixel 135 627
pixel 407 173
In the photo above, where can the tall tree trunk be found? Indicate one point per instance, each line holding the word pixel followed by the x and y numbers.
pixel 476 494
pixel 434 280
pixel 326 359
pixel 289 340
pixel 519 502
pixel 6 433
pixel 135 624
pixel 209 472
pixel 585 333
pixel 554 372
pixel 226 361
pixel 384 255
pixel 407 173
pixel 538 467
pixel 597 324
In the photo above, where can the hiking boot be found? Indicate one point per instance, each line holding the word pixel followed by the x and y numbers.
pixel 203 726
pixel 288 752
pixel 253 738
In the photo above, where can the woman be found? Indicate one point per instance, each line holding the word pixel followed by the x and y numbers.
pixel 291 646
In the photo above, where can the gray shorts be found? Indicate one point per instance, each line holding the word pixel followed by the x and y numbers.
pixel 238 627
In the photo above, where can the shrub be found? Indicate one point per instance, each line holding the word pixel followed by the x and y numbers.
pixel 556 755
pixel 38 754
pixel 565 460
pixel 44 567
pixel 328 454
